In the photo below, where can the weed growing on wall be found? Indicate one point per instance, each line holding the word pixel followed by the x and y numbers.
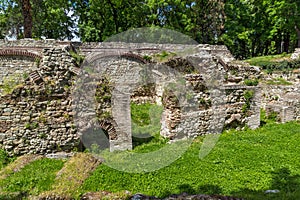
pixel 10 83
pixel 77 57
pixel 5 158
pixel 248 95
pixel 251 82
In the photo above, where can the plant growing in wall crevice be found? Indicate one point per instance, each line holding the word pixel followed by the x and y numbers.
pixel 10 83
pixel 31 126
pixel 77 57
pixel 37 61
pixel 251 82
pixel 163 56
pixel 248 95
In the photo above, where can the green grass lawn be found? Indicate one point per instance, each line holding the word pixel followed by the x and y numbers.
pixel 242 164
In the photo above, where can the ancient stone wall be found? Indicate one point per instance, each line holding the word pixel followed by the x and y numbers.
pixel 283 100
pixel 36 114
pixel 37 110
pixel 296 54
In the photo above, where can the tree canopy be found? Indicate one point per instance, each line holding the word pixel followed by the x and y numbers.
pixel 248 27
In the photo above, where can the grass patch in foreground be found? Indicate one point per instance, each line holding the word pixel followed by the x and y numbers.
pixel 71 176
pixel 243 164
pixel 33 178
pixel 17 165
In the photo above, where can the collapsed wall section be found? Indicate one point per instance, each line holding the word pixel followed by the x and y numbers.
pixel 36 114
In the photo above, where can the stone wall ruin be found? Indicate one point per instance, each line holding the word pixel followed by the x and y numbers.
pixel 39 77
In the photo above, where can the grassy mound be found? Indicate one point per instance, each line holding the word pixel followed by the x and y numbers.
pixel 17 165
pixel 26 177
pixel 71 176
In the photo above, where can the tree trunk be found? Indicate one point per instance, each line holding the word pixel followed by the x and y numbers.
pixel 26 11
pixel 298 36
pixel 286 41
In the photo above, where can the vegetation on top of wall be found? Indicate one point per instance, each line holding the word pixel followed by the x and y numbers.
pixel 251 82
pixel 280 62
pixel 77 57
pixel 265 60
pixel 148 58
pixel 163 56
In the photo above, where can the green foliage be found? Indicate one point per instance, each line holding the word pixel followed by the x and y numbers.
pixel 255 28
pixel 248 95
pixel 10 83
pixel 34 178
pixel 281 62
pixel 242 164
pixel 205 103
pixel 51 19
pixel 37 61
pixel 32 125
pixel 25 76
pixel 269 118
pixel 250 82
pixel 148 58
pixel 281 66
pixel 273 116
pixel 140 113
pixel 5 158
pixel 77 57
pixel 164 56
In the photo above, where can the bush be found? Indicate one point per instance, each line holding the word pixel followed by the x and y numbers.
pixel 250 82
pixel 4 158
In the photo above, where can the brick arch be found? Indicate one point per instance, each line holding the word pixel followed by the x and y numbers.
pixel 109 127
pixel 15 52
pixel 127 55
pixel 134 57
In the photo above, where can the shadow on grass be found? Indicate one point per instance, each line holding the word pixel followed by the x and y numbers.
pixel 146 139
pixel 287 184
